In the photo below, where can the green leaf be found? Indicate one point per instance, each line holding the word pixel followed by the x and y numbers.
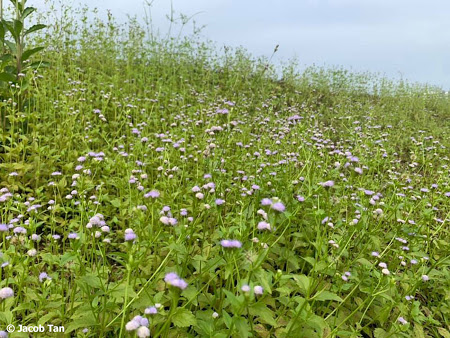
pixel 116 203
pixel 266 315
pixel 242 326
pixel 227 319
pixel 27 54
pixel 11 46
pixel 45 318
pixel 66 258
pixel 10 27
pixel 379 333
pixel 39 64
pixel 443 332
pixel 27 11
pixel 6 317
pixel 191 293
pixel 6 58
pixel 327 295
pixel 418 331
pixel 7 77
pixel 183 318
pixel 92 281
pixel 18 26
pixel 34 28
pixel 234 301
pixel 88 320
pixel 304 283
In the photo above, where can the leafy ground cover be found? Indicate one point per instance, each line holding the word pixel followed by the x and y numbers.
pixel 159 187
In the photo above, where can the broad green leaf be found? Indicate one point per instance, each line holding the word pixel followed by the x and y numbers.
pixel 66 258
pixel 379 333
pixel 234 300
pixel 266 315
pixel 242 326
pixel 115 202
pixel 183 318
pixel 327 295
pixel 6 317
pixel 304 283
pixel 92 281
pixel 7 77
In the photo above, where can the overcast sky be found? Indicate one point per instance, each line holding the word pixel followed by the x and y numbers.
pixel 398 38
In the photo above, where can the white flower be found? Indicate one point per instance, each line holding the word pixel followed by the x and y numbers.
pixel 143 332
pixel 6 293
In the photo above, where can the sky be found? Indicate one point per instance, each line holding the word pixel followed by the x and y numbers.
pixel 408 39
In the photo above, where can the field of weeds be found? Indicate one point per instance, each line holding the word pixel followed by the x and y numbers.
pixel 155 186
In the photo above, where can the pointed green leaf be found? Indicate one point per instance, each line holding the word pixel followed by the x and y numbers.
pixel 34 28
pixel 27 11
pixel 39 64
pixel 18 26
pixel 28 53
pixel 9 25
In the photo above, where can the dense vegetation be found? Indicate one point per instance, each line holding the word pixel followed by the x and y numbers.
pixel 156 185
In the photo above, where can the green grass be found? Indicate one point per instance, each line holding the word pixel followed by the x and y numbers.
pixel 155 107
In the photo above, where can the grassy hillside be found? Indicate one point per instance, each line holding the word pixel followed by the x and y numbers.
pixel 160 186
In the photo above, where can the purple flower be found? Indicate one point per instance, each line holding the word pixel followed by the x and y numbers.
pixel 278 206
pixel 245 288
pixel 129 235
pixel 300 198
pixel 327 184
pixel 402 320
pixel 263 225
pixel 151 310
pixel 152 194
pixel 266 201
pixel 19 230
pixel 258 290
pixel 3 227
pixel 230 243
pixel 173 279
pixel 43 276
pixel 73 235
pixel 220 201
